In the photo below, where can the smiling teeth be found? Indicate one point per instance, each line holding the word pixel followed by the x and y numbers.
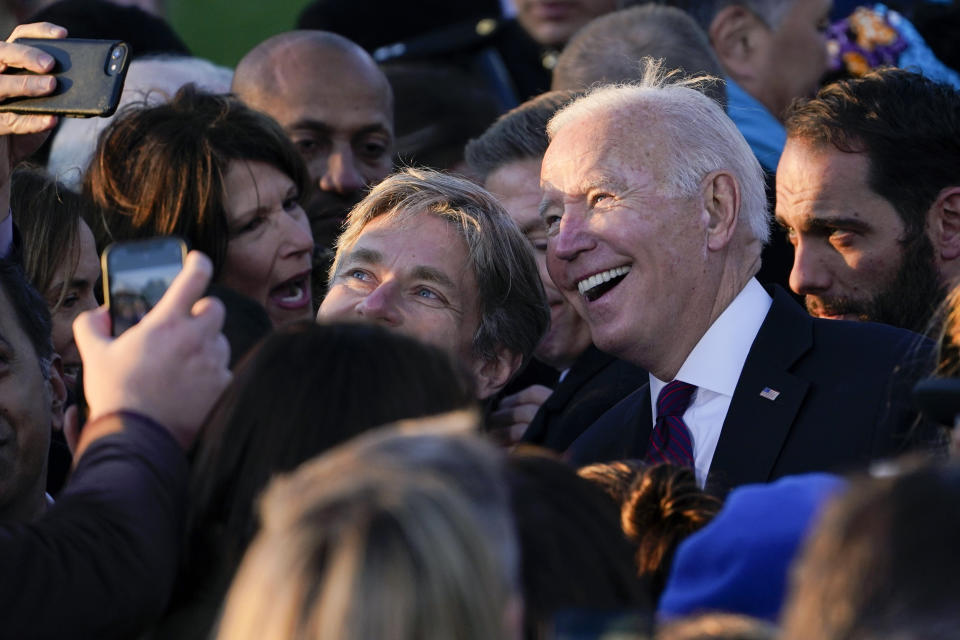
pixel 598 279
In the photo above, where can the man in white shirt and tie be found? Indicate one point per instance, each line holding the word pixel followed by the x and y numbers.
pixel 656 217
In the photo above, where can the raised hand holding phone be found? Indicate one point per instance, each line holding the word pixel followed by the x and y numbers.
pixel 135 276
pixel 21 135
pixel 27 58
pixel 171 367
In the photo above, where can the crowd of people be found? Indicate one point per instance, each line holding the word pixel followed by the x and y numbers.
pixel 645 327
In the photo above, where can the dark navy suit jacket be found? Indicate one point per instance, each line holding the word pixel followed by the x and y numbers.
pixel 842 400
pixel 595 383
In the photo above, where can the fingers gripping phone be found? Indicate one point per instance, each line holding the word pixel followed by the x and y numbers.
pixel 136 275
pixel 89 73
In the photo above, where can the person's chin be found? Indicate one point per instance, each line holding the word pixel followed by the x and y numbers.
pixel 549 349
pixel 835 310
pixel 280 316
pixel 839 316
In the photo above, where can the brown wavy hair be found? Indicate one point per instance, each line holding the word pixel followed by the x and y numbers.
pixel 660 506
pixel 159 170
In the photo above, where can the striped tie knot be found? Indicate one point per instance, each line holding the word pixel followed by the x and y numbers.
pixel 674 398
pixel 671 440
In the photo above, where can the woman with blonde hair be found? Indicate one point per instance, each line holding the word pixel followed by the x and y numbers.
pixel 379 552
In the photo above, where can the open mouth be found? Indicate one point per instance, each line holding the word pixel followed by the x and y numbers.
pixel 598 284
pixel 293 293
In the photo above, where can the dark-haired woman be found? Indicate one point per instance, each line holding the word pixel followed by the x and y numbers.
pixel 223 177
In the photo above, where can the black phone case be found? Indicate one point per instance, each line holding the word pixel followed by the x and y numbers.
pixel 84 89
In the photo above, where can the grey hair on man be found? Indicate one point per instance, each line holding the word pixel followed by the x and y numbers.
pixel 607 50
pixel 701 137
pixel 513 310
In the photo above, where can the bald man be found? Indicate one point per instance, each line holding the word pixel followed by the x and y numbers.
pixel 335 105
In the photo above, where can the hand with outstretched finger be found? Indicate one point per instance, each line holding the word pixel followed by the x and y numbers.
pixel 170 367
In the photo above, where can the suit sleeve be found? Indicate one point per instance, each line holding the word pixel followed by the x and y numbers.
pixel 6 236
pixel 102 561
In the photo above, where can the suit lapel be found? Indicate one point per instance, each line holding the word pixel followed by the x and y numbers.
pixel 582 371
pixel 767 398
pixel 644 422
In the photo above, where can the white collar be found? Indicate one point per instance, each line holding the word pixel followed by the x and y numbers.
pixel 717 360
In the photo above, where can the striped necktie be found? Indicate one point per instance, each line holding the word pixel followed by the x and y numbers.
pixel 670 440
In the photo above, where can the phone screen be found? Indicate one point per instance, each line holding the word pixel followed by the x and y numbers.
pixel 136 275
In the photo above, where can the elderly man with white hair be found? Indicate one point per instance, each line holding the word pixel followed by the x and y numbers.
pixel 656 218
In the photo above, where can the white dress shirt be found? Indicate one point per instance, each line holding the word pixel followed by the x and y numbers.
pixel 714 367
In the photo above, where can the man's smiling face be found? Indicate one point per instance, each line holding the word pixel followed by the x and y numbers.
pixel 624 251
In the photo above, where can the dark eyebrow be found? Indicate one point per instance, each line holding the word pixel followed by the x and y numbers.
pixel 249 215
pixel 823 225
pixel 262 209
pixel 434 275
pixel 318 126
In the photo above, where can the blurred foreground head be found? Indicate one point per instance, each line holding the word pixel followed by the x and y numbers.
pixel 574 555
pixel 660 506
pixel 883 564
pixel 302 391
pixel 362 543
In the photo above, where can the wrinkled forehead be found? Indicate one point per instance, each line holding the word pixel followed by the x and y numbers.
pixel 439 239
pixel 405 218
pixel 610 141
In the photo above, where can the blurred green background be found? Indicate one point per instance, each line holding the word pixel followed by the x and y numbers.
pixel 224 30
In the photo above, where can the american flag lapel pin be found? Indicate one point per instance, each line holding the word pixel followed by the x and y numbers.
pixel 769 394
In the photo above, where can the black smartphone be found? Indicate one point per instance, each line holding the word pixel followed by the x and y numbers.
pixel 89 73
pixel 136 275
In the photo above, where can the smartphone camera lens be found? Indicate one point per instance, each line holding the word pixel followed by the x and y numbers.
pixel 115 59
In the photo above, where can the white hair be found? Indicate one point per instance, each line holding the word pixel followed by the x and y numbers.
pixel 700 136
pixel 772 12
pixel 150 81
